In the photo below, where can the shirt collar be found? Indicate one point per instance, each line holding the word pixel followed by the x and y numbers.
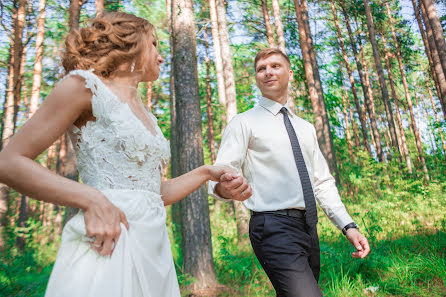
pixel 273 106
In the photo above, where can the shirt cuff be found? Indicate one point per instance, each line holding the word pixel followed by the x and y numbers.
pixel 339 217
pixel 213 193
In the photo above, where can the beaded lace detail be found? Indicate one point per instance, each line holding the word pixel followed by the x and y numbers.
pixel 117 151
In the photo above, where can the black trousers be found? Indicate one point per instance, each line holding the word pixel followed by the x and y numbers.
pixel 288 251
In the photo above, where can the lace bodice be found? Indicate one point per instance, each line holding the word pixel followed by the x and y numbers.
pixel 117 151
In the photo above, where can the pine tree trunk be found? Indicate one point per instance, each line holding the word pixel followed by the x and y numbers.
pixel 370 105
pixel 74 14
pixel 355 129
pixel 241 212
pixel 434 108
pixel 402 138
pixel 418 143
pixel 437 29
pixel 196 239
pixel 174 166
pixel 279 25
pixel 427 48
pixel 210 115
pixel 269 29
pixel 345 108
pixel 37 76
pixel 351 78
pixel 217 52
pixel 366 89
pixel 315 88
pixel 67 155
pixel 379 69
pixel 228 70
pixel 441 75
pixel 100 6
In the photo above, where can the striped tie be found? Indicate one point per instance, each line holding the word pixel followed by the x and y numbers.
pixel 310 202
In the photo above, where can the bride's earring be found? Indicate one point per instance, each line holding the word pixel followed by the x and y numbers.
pixel 133 66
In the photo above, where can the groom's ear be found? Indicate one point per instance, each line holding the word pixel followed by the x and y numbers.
pixel 291 75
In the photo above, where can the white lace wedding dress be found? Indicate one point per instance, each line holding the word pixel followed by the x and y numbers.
pixel 118 155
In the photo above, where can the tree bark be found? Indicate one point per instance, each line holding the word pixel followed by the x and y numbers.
pixel 370 105
pixel 269 29
pixel 434 108
pixel 210 114
pixel 437 29
pixel 228 70
pixel 196 239
pixel 418 139
pixel 441 75
pixel 351 78
pixel 379 69
pixel 218 54
pixel 74 14
pixel 345 108
pixel 315 88
pixel 364 84
pixel 37 76
pixel 279 25
pixel 426 46
pixel 403 149
pixel 174 165
pixel 100 6
pixel 241 212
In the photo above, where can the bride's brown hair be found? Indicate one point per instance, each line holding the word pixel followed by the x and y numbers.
pixel 112 39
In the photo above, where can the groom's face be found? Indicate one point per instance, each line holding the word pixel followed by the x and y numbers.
pixel 273 74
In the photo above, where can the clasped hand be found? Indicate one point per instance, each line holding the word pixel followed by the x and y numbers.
pixel 232 185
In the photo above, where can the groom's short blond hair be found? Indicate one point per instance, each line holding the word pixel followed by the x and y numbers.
pixel 265 53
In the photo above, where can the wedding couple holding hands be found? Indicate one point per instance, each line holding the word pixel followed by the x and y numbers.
pixel 117 245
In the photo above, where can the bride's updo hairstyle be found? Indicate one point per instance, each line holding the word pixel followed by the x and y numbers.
pixel 112 39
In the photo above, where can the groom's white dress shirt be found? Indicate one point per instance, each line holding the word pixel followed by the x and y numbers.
pixel 257 143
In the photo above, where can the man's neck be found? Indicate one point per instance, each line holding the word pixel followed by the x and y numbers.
pixel 279 98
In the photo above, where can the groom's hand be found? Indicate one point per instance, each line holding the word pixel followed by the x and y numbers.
pixel 359 242
pixel 233 186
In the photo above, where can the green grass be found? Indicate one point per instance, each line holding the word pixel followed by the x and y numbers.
pixel 405 226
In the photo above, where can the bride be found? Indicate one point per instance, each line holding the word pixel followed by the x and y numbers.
pixel 117 245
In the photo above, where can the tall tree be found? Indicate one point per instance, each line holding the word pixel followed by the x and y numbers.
pixel 218 54
pixel 366 88
pixel 437 119
pixel 100 6
pixel 402 139
pixel 279 25
pixel 209 111
pixel 315 87
pixel 241 212
pixel 269 29
pixel 435 58
pixel 67 159
pixel 379 70
pixel 37 76
pixel 351 78
pixel 437 29
pixel 228 70
pixel 427 49
pixel 196 233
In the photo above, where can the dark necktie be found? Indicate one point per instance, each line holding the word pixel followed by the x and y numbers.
pixel 310 202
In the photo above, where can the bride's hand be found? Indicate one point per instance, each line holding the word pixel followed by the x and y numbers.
pixel 103 225
pixel 215 172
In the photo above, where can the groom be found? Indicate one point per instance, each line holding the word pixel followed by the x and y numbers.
pixel 280 159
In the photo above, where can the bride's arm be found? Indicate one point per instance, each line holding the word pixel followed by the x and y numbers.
pixel 175 189
pixel 68 100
